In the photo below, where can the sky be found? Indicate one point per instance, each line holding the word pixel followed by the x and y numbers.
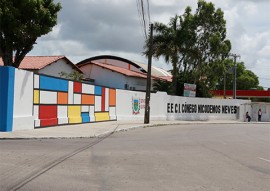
pixel 88 28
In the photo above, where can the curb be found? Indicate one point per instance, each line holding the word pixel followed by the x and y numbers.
pixel 117 129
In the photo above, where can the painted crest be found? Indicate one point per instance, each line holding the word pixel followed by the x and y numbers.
pixel 135 106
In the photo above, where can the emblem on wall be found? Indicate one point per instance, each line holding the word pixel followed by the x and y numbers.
pixel 135 105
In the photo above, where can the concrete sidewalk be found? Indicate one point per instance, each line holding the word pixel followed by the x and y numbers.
pixel 91 130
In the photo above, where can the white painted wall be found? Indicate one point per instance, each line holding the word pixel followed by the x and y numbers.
pixel 48 97
pixel 162 106
pixel 62 114
pixel 221 108
pixel 253 108
pixel 165 107
pixel 23 100
pixel 124 109
pixel 57 67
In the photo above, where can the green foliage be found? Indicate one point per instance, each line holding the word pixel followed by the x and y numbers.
pixel 260 88
pixel 246 79
pixel 162 85
pixel 21 23
pixel 196 46
pixel 165 43
pixel 75 75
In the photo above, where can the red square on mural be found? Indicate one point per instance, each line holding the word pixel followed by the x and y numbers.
pixel 77 88
pixel 48 115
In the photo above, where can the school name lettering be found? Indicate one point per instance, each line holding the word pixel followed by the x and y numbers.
pixel 200 108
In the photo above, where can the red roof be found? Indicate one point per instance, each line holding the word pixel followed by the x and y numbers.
pixel 166 78
pixel 125 71
pixel 120 70
pixel 39 62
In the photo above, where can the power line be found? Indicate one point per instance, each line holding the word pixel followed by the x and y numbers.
pixel 142 15
pixel 265 78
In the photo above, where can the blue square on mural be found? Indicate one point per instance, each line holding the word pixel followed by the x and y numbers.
pixel 98 90
pixel 85 117
pixel 53 84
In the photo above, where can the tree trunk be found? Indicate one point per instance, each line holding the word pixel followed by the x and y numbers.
pixel 174 84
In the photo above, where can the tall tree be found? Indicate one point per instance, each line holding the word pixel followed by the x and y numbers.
pixel 195 45
pixel 21 23
pixel 246 79
pixel 211 44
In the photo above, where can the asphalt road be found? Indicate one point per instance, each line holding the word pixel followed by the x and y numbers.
pixel 186 157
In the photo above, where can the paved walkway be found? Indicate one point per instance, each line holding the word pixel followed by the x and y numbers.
pixel 98 129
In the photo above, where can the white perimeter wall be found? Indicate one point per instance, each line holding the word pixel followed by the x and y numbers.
pixel 130 105
pixel 23 100
pixel 165 107
pixel 253 108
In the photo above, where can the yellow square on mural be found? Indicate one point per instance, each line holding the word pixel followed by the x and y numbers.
pixel 102 116
pixel 74 114
pixel 36 96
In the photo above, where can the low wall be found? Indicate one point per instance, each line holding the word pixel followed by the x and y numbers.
pixel 16 92
pixel 253 108
pixel 31 101
pixel 130 106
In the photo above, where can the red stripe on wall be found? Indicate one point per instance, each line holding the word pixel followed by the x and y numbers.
pixel 48 122
pixel 77 88
pixel 103 99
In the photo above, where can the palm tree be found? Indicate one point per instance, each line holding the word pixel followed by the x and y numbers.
pixel 165 43
pixel 174 42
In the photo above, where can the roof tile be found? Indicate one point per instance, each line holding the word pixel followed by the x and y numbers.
pixel 36 62
pixel 120 70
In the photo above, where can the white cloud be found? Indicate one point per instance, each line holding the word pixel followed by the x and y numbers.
pixel 92 27
pixel 265 51
pixel 54 47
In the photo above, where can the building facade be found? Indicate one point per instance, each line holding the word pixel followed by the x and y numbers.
pixel 117 72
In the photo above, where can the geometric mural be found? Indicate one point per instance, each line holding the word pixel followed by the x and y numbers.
pixel 59 101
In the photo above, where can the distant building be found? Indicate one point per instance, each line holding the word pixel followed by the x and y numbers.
pixel 48 65
pixel 117 72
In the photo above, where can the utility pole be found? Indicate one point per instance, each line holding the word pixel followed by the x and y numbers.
pixel 148 85
pixel 235 56
pixel 224 91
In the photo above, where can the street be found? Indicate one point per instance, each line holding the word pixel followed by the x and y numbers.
pixel 176 157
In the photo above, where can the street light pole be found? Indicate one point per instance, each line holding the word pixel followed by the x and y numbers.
pixel 235 56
